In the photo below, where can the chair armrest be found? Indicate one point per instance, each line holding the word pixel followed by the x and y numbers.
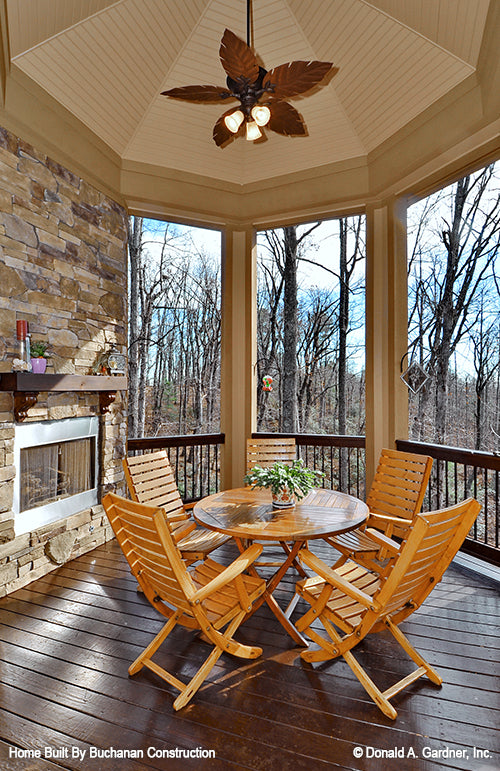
pixel 181 532
pixel 189 506
pixel 386 519
pixel 181 517
pixel 384 540
pixel 237 567
pixel 333 578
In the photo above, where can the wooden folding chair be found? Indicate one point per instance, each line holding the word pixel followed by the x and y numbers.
pixel 352 602
pixel 150 479
pixel 395 497
pixel 267 452
pixel 209 597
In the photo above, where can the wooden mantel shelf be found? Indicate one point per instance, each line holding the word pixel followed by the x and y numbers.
pixel 26 386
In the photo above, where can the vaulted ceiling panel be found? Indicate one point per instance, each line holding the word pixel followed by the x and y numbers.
pixel 107 61
pixel 455 25
pixel 34 21
pixel 108 68
pixel 382 66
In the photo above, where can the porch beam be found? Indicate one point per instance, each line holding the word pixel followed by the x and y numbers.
pixel 386 328
pixel 239 351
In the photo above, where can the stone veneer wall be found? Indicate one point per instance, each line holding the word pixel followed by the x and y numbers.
pixel 63 268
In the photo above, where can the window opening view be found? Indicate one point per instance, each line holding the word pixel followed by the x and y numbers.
pixel 175 346
pixel 175 322
pixel 311 337
pixel 453 313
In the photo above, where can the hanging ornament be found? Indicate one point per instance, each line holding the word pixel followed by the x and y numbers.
pixel 267 383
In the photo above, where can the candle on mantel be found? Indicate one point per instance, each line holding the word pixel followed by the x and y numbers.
pixel 22 329
pixel 23 343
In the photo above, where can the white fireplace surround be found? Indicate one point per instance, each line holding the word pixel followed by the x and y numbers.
pixel 50 432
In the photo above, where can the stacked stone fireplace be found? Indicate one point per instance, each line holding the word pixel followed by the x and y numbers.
pixel 63 269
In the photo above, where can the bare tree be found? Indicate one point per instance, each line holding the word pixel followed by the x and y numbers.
pixel 135 263
pixel 448 289
pixel 485 341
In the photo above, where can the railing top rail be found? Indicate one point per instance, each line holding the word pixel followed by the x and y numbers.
pixel 152 442
pixel 455 454
pixel 321 440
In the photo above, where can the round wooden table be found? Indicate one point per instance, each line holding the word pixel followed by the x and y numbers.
pixel 248 514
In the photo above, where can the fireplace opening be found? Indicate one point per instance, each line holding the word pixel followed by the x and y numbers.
pixel 56 470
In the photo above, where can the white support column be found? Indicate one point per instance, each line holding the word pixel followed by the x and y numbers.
pixel 386 329
pixel 239 351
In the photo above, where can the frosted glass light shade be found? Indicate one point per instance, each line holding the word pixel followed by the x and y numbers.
pixel 253 131
pixel 261 114
pixel 234 121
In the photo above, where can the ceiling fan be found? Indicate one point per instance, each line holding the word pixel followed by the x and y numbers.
pixel 261 93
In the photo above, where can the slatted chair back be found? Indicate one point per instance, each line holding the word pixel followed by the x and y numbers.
pixel 399 484
pixel 358 602
pixel 150 479
pixel 209 597
pixel 149 548
pixel 266 452
pixel 395 497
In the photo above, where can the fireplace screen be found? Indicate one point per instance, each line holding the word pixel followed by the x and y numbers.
pixel 54 471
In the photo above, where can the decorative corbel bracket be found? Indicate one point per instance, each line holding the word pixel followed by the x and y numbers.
pixel 106 399
pixel 23 401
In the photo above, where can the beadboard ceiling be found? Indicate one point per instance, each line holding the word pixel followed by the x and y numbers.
pixel 107 62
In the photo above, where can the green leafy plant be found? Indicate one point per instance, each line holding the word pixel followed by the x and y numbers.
pixel 38 349
pixel 296 477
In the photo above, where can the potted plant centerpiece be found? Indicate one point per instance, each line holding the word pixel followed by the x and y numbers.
pixel 39 355
pixel 287 482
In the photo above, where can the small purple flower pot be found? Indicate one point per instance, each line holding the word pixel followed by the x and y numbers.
pixel 39 365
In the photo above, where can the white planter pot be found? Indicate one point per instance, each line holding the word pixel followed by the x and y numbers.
pixel 284 499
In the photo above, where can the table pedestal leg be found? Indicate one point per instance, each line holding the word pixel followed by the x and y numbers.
pixel 271 585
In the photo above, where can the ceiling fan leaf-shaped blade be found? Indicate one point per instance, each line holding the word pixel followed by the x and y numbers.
pixel 286 120
pixel 296 78
pixel 199 93
pixel 221 133
pixel 237 58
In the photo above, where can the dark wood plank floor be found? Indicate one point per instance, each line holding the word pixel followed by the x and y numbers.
pixel 67 640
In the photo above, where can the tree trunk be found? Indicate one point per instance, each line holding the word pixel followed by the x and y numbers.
pixel 342 355
pixel 289 406
pixel 135 258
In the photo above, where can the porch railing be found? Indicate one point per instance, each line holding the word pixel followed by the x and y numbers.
pixel 195 459
pixel 457 474
pixel 340 458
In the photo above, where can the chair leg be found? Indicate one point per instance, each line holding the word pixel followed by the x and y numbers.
pixel 155 643
pixel 190 689
pixel 431 673
pixel 331 649
pixel 378 697
pixel 292 605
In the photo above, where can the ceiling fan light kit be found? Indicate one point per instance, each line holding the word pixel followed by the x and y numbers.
pixel 261 93
pixel 234 120
pixel 253 132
